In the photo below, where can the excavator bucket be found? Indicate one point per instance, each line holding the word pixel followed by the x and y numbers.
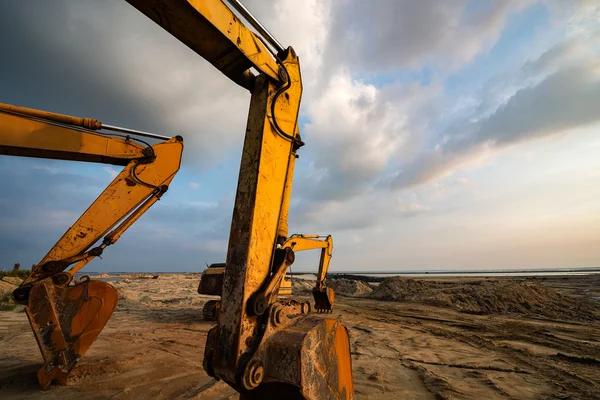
pixel 323 299
pixel 309 359
pixel 66 320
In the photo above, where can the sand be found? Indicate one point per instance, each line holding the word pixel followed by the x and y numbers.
pixel 487 297
pixel 343 287
pixel 6 288
pixel 13 280
pixel 349 287
pixel 153 347
pixel 302 286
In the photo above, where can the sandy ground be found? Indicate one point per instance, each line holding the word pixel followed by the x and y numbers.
pixel 154 344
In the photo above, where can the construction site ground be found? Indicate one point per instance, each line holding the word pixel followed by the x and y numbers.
pixel 153 346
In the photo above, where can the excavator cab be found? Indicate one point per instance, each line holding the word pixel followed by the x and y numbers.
pixel 211 282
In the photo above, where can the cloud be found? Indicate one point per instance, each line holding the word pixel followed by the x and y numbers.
pixel 563 101
pixel 111 171
pixel 38 202
pixel 194 219
pixel 355 129
pixel 193 185
pixel 386 35
pixel 360 132
pixel 37 205
pixel 572 51
pixel 304 25
pixel 355 214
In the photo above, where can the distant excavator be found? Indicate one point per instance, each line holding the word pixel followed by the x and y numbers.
pixel 211 281
pixel 262 346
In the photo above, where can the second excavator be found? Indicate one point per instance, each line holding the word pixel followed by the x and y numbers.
pixel 262 345
pixel 211 281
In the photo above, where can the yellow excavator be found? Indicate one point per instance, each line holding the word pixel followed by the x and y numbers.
pixel 262 345
pixel 67 313
pixel 211 280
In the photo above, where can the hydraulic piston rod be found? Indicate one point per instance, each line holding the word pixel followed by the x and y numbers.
pixel 86 123
pixel 256 24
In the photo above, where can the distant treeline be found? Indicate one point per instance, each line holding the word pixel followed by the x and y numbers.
pixel 21 273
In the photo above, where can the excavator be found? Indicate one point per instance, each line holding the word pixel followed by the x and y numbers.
pixel 262 345
pixel 66 312
pixel 211 280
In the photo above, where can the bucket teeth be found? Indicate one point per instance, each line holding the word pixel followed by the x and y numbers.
pixel 323 300
pixel 66 320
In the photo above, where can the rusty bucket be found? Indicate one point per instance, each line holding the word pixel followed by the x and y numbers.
pixel 66 320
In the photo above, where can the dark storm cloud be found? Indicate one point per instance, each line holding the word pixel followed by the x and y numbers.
pixel 106 60
pixel 46 66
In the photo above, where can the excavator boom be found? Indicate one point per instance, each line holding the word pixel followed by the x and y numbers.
pixel 261 346
pixel 67 316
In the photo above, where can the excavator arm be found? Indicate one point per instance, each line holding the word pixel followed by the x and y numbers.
pixel 261 346
pixel 324 296
pixel 67 318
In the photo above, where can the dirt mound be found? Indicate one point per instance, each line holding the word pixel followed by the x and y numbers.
pixel 341 286
pixel 302 286
pixel 349 287
pixel 487 297
pixel 6 288
pixel 13 280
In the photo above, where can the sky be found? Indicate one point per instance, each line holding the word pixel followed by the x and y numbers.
pixel 440 135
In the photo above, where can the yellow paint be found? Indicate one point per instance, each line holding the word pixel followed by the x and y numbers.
pixel 20 135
